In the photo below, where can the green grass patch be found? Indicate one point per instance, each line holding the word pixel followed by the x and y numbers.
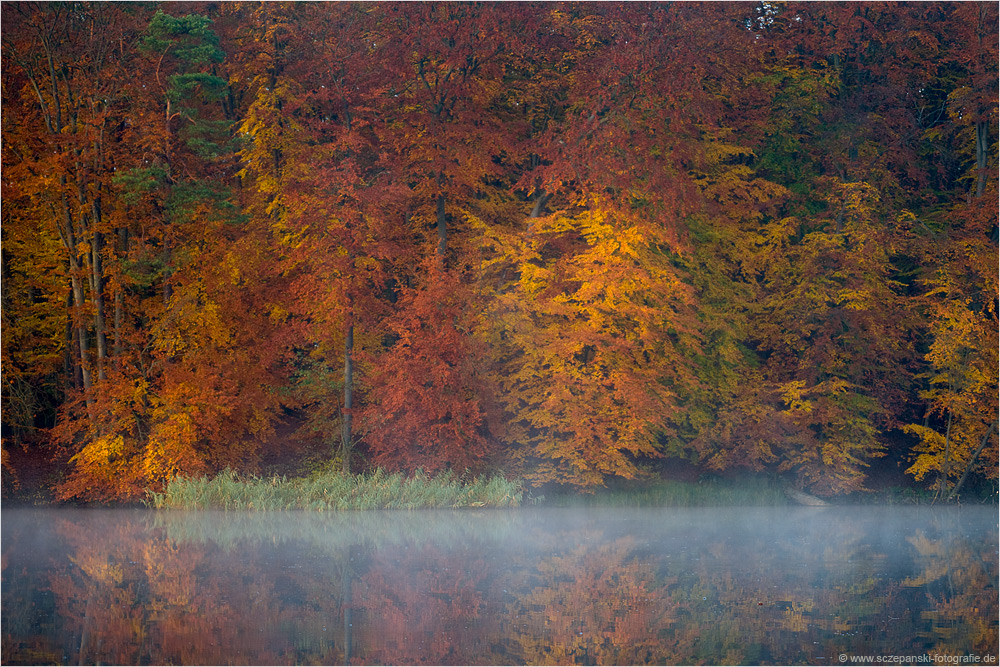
pixel 666 493
pixel 331 491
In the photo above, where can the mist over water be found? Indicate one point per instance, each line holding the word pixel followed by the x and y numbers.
pixel 799 585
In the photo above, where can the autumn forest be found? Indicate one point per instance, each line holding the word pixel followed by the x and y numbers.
pixel 575 243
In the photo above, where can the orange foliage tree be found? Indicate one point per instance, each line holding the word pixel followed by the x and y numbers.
pixel 569 241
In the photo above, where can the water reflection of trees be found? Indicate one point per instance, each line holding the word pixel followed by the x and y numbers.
pixel 493 589
pixel 592 603
pixel 960 582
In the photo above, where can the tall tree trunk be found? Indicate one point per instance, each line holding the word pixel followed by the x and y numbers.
pixel 71 369
pixel 81 268
pixel 345 435
pixel 75 271
pixel 82 344
pixel 543 199
pixel 943 484
pixel 97 294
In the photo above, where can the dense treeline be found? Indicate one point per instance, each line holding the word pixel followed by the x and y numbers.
pixel 571 242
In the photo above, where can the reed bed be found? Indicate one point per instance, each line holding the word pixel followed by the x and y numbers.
pixel 334 491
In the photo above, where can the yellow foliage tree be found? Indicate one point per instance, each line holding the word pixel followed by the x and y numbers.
pixel 586 328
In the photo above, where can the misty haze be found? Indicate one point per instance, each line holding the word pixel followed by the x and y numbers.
pixel 793 585
pixel 614 333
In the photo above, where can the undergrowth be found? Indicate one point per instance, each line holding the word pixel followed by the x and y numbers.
pixel 668 493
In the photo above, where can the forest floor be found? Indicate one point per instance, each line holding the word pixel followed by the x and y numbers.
pixel 30 477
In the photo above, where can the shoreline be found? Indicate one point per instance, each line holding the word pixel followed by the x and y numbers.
pixel 333 492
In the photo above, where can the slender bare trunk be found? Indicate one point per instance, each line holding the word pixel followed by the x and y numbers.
pixel 97 294
pixel 81 334
pixel 71 369
pixel 76 282
pixel 543 199
pixel 945 467
pixel 345 437
pixel 975 455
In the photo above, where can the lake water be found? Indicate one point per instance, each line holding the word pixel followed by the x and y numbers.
pixel 800 585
